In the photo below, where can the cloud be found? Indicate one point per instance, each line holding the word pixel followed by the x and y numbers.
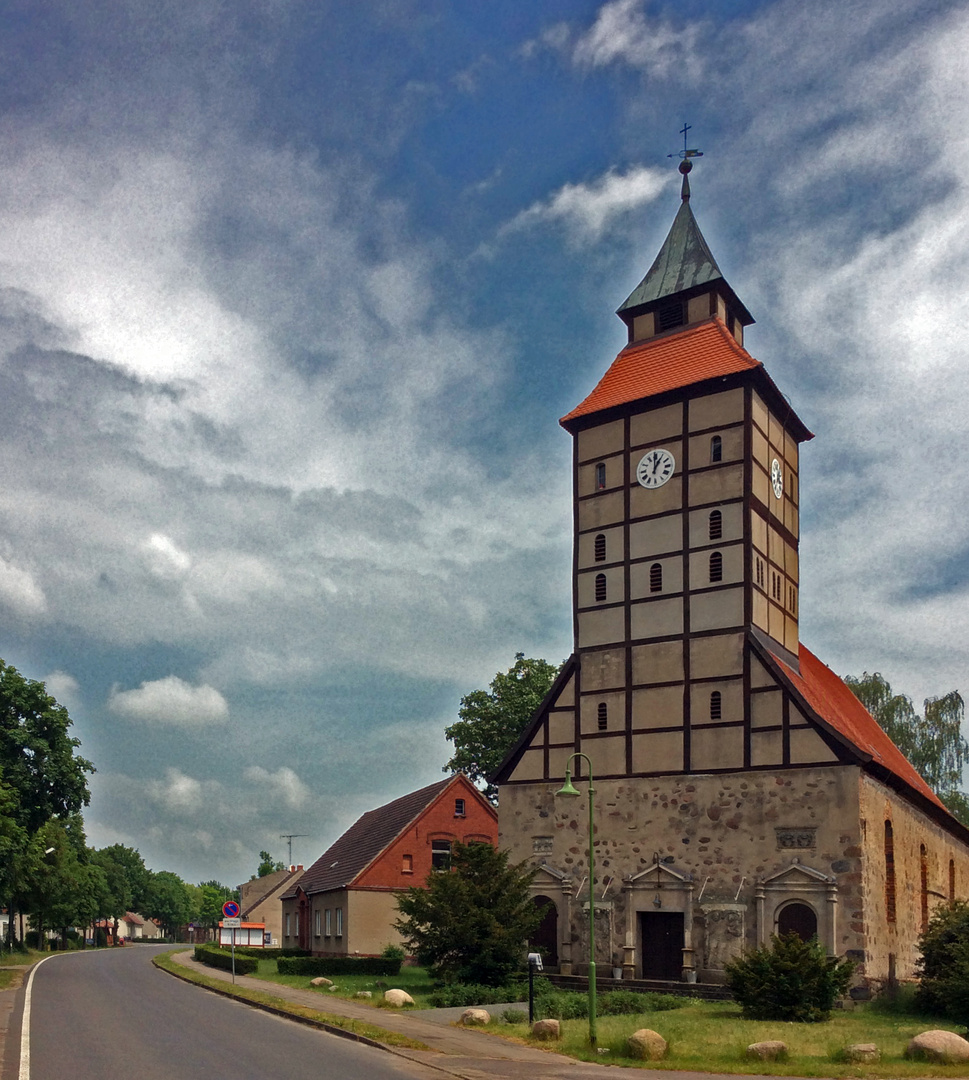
pixel 283 784
pixel 63 687
pixel 588 210
pixel 171 701
pixel 623 32
pixel 19 591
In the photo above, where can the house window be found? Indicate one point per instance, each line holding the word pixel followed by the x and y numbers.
pixel 715 705
pixel 716 566
pixel 287 924
pixel 716 524
pixel 441 854
pixel 459 807
pixel 600 548
pixel 656 578
pixel 316 922
pixel 603 716
pixel 923 886
pixel 716 448
pixel 328 922
pixel 889 872
pixel 339 922
pixel 297 924
pixel 408 867
pixel 600 587
pixel 600 476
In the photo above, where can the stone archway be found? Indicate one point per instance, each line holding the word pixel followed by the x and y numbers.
pixel 797 918
pixel 545 938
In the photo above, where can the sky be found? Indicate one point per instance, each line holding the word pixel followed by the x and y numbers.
pixel 293 295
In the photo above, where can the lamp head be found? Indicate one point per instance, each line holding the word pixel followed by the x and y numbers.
pixel 568 788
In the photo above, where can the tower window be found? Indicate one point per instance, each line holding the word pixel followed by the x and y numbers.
pixel 775 586
pixel 603 716
pixel 759 571
pixel 792 599
pixel 716 524
pixel 952 879
pixel 716 448
pixel 600 587
pixel 656 577
pixel 889 872
pixel 715 705
pixel 600 476
pixel 600 548
pixel 716 566
pixel 923 886
pixel 670 314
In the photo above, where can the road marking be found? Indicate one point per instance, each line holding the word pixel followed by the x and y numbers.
pixel 25 1026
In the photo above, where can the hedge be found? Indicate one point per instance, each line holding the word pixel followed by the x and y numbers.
pixel 219 958
pixel 337 965
pixel 266 954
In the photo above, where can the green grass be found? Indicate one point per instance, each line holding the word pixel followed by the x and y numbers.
pixel 414 980
pixel 713 1037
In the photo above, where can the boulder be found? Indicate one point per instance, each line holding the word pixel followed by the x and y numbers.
pixel 397 999
pixel 330 989
pixel 646 1045
pixel 942 1046
pixel 475 1017
pixel 320 981
pixel 771 1050
pixel 547 1029
pixel 364 994
pixel 862 1053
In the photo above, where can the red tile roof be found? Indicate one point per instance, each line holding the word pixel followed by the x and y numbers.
pixel 704 351
pixel 831 699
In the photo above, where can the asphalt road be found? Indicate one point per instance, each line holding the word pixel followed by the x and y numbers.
pixel 110 1015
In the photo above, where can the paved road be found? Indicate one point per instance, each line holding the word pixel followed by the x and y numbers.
pixel 109 1015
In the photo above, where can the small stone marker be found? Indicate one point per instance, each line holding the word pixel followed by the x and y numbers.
pixel 770 1050
pixel 363 994
pixel 397 999
pixel 646 1045
pixel 547 1029
pixel 942 1046
pixel 862 1053
pixel 320 981
pixel 475 1017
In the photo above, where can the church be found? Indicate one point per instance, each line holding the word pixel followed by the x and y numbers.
pixel 741 790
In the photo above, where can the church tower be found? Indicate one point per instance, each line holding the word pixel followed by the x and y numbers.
pixel 730 764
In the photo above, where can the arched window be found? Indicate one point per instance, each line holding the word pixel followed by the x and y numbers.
pixel 600 587
pixel 600 547
pixel 716 566
pixel 716 524
pixel 889 872
pixel 715 705
pixel 759 568
pixel 923 886
pixel 797 918
pixel 716 448
pixel 656 577
pixel 603 716
pixel 600 476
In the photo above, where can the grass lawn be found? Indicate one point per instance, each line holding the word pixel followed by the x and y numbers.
pixel 414 980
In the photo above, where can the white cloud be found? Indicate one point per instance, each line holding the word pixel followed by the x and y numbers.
pixel 283 784
pixel 63 687
pixel 164 558
pixel 19 590
pixel 171 701
pixel 179 794
pixel 622 32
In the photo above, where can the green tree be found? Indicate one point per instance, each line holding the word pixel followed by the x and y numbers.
pixel 491 721
pixel 470 923
pixel 169 901
pixel 267 866
pixel 943 967
pixel 127 879
pixel 933 741
pixel 213 895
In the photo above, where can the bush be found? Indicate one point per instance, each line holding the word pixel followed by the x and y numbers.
pixel 944 966
pixel 464 995
pixel 394 952
pixel 791 980
pixel 514 1016
pixel 631 1002
pixel 265 954
pixel 213 956
pixel 337 965
pixel 563 1005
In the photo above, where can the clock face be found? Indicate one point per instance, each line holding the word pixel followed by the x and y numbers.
pixel 655 468
pixel 777 478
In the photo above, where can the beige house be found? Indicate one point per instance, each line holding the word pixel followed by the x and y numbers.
pixel 260 900
pixel 740 788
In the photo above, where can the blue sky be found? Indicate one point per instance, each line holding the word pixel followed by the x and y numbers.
pixel 292 296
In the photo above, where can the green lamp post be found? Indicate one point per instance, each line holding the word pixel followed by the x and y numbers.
pixel 568 789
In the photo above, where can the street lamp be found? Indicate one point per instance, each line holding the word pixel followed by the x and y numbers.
pixel 568 789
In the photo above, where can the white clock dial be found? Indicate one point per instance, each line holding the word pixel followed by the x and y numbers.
pixel 655 468
pixel 777 478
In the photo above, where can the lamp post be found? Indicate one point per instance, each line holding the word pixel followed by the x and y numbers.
pixel 568 789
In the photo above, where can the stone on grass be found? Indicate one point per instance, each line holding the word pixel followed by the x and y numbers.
pixel 320 981
pixel 862 1053
pixel 547 1029
pixel 475 1017
pixel 770 1050
pixel 332 988
pixel 397 999
pixel 364 994
pixel 646 1045
pixel 942 1046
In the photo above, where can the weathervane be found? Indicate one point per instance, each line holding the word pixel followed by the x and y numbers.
pixel 686 164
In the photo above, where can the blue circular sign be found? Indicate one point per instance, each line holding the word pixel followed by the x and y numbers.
pixel 230 909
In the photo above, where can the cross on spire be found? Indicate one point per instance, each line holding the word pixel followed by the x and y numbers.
pixel 686 164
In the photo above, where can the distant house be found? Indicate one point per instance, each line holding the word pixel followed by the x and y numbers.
pixel 260 900
pixel 346 902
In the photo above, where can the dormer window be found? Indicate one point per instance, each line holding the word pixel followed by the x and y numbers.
pixel 601 476
pixel 670 314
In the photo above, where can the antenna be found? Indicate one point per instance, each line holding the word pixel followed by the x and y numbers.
pixel 290 837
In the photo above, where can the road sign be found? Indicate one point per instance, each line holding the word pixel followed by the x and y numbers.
pixel 231 924
pixel 230 909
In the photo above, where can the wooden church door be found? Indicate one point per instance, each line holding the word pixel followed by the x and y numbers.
pixel 662 938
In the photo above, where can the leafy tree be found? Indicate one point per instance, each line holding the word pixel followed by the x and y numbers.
pixel 213 895
pixel 267 866
pixel 169 901
pixel 933 742
pixel 470 923
pixel 792 980
pixel 491 721
pixel 127 879
pixel 943 968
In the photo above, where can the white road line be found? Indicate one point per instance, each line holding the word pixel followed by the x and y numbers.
pixel 25 1026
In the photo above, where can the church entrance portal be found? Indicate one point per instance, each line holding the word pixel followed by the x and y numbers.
pixel 545 938
pixel 661 944
pixel 797 919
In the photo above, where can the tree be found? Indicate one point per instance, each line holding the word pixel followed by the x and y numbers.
pixel 932 742
pixel 267 866
pixel 213 895
pixel 943 968
pixel 470 923
pixel 127 880
pixel 169 901
pixel 491 721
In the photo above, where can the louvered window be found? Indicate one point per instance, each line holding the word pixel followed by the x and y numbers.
pixel 716 524
pixel 603 716
pixel 656 578
pixel 600 587
pixel 715 705
pixel 671 314
pixel 600 547
pixel 759 570
pixel 716 566
pixel 889 872
pixel 716 448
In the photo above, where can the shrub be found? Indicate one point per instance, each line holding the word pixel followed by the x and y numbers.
pixel 266 954
pixel 463 995
pixel 791 980
pixel 944 966
pixel 563 1005
pixel 213 956
pixel 394 952
pixel 337 965
pixel 631 1002
pixel 514 1016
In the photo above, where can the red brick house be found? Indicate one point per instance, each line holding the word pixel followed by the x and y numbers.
pixel 345 903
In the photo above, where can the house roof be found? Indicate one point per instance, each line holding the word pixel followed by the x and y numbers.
pixel 365 840
pixel 274 882
pixel 135 920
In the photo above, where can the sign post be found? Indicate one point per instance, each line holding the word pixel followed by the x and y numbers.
pixel 230 911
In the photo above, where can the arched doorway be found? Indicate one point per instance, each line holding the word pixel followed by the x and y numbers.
pixel 797 919
pixel 545 938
